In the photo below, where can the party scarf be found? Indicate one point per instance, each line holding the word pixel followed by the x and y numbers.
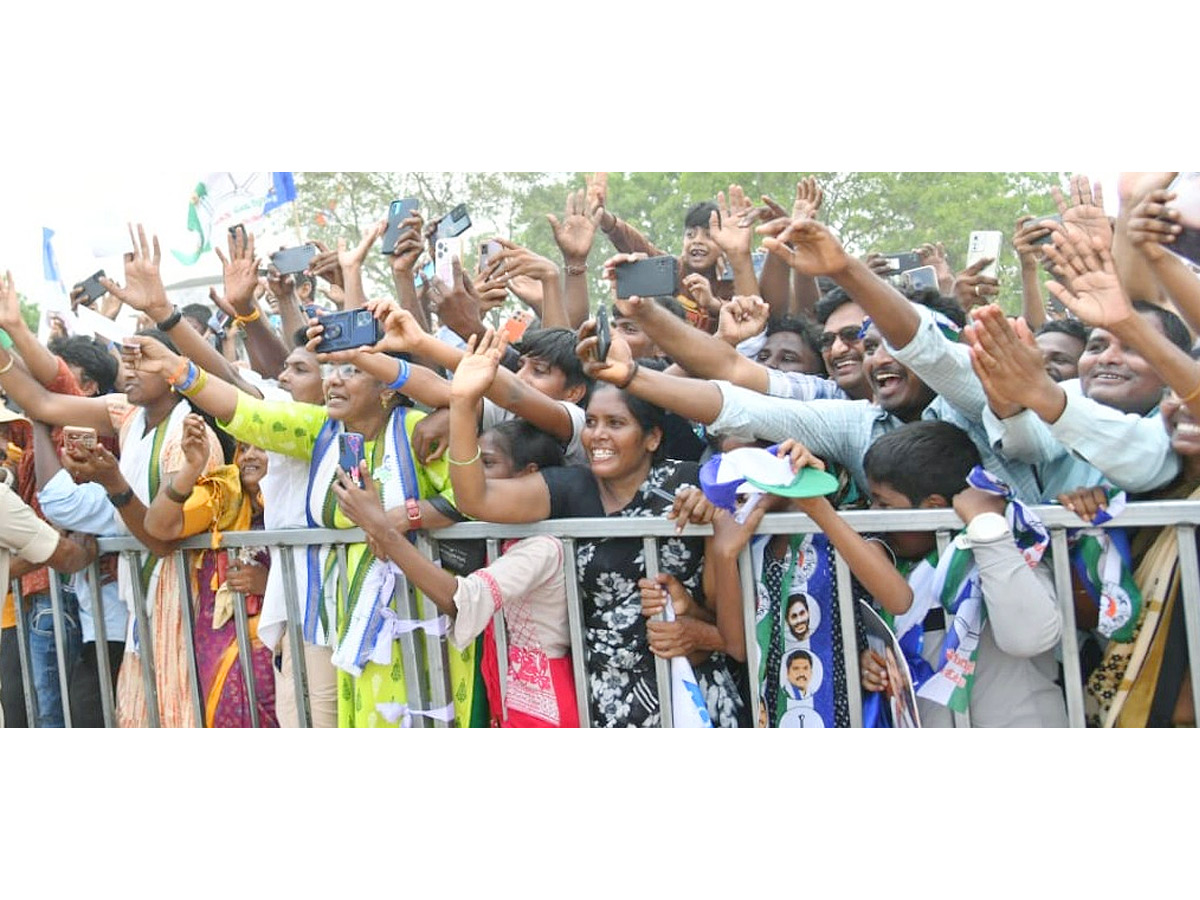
pixel 953 582
pixel 1102 561
pixel 809 571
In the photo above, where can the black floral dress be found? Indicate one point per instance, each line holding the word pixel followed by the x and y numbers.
pixel 620 666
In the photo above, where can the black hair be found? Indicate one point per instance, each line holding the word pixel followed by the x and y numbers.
pixel 1177 333
pixel 300 278
pixel 673 306
pixel 526 443
pixel 921 459
pixel 300 338
pixel 701 214
pixel 947 306
pixel 1070 327
pixel 796 598
pixel 227 441
pixel 555 346
pixel 830 302
pixel 804 326
pixel 95 361
pixel 198 313
pixel 647 415
pixel 795 655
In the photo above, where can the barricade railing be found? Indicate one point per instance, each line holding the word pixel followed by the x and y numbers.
pixel 425 659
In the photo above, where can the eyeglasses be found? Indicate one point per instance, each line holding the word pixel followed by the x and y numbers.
pixel 851 334
pixel 343 370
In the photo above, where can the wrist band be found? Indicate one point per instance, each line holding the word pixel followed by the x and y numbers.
pixel 171 321
pixel 577 270
pixel 1188 399
pixel 188 382
pixel 12 361
pixel 402 376
pixel 454 462
pixel 632 375
pixel 175 377
pixel 121 499
pixel 194 388
pixel 177 496
pixel 253 317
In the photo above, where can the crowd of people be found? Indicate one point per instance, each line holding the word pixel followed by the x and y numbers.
pixel 863 384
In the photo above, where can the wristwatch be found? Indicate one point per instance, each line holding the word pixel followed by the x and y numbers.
pixel 121 499
pixel 171 321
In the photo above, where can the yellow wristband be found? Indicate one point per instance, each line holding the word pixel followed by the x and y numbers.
pixel 253 317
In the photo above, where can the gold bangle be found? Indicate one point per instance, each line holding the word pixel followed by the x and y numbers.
pixel 12 361
pixel 253 317
pixel 1188 399
pixel 454 462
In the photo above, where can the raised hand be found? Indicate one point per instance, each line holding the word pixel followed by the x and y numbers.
pixel 617 367
pixel 477 369
pixel 408 247
pixel 809 198
pixel 1007 360
pixel 353 257
pixel 775 219
pixel 810 248
pixel 575 234
pixel 194 443
pixel 457 304
pixel 517 260
pixel 879 264
pixel 935 255
pixel 1153 223
pixel 492 292
pixel 143 289
pixel 1092 290
pixel 402 333
pixel 1083 208
pixel 596 201
pixel 699 289
pixel 724 225
pixel 1028 230
pixel 971 288
pixel 528 290
pixel 240 271
pixel 742 318
pixel 10 304
pixel 152 357
pixel 325 265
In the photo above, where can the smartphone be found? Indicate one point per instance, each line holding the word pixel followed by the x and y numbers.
pixel 1187 242
pixel 985 244
pixel 79 436
pixel 515 326
pixel 454 222
pixel 758 259
pixel 93 290
pixel 898 263
pixel 1048 237
pixel 654 277
pixel 218 322
pixel 487 250
pixel 294 259
pixel 397 213
pixel 350 455
pixel 443 252
pixel 922 278
pixel 349 329
pixel 726 273
pixel 603 335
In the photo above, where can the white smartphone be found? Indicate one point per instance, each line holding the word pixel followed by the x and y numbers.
pixel 985 244
pixel 443 250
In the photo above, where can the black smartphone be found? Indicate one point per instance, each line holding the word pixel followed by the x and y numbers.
pixel 603 335
pixel 454 222
pixel 1049 235
pixel 93 290
pixel 350 454
pixel 397 213
pixel 349 329
pixel 657 276
pixel 294 259
pixel 902 262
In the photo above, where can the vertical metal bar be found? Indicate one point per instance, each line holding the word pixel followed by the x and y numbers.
pixel 745 565
pixel 437 647
pixel 583 693
pixel 241 626
pixel 411 656
pixel 188 616
pixel 1189 596
pixel 963 719
pixel 145 641
pixel 662 667
pixel 501 632
pixel 23 652
pixel 103 663
pixel 60 650
pixel 846 612
pixel 1072 670
pixel 295 636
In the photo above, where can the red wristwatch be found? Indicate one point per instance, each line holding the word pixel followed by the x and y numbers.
pixel 414 514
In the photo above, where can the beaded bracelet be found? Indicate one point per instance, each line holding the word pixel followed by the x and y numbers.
pixel 402 376
pixel 173 379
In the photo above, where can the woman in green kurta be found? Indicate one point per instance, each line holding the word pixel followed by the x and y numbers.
pixel 361 395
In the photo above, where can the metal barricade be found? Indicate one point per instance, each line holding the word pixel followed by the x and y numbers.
pixel 427 659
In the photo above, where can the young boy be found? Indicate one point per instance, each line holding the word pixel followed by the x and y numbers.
pixel 1009 680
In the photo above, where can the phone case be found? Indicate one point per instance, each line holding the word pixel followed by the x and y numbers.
pixel 92 288
pixel 603 335
pixel 455 222
pixel 653 277
pixel 443 251
pixel 397 213
pixel 293 259
pixel 902 262
pixel 350 452
pixel 922 278
pixel 84 437
pixel 985 244
pixel 348 329
pixel 514 328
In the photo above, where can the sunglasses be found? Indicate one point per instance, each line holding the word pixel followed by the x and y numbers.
pixel 851 334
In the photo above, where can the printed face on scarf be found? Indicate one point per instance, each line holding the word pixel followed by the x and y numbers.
pixel 351 395
pixel 800 673
pixel 797 617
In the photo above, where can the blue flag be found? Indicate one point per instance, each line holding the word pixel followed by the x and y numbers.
pixel 49 263
pixel 283 190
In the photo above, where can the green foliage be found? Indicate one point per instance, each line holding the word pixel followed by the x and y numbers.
pixel 870 211
pixel 30 312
